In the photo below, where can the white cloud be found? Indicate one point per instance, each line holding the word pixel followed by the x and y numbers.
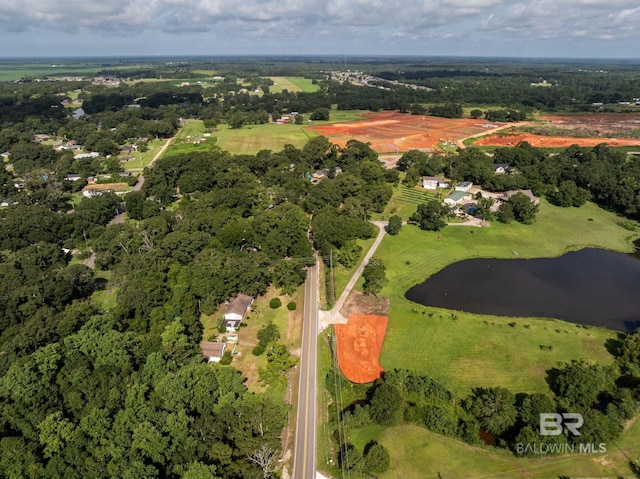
pixel 402 25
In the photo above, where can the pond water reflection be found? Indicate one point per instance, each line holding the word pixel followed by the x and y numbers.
pixel 592 287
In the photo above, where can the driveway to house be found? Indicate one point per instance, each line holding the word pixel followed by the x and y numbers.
pixel 138 186
pixel 334 316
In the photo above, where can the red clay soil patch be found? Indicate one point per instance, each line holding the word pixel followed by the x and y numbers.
pixel 359 344
pixel 588 129
pixel 611 122
pixel 106 186
pixel 552 141
pixel 393 131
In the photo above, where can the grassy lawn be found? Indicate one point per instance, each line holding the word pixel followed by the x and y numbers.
pixel 405 201
pixel 292 84
pixel 142 159
pixel 188 139
pixel 418 453
pixel 341 274
pixel 104 299
pixel 250 139
pixel 465 350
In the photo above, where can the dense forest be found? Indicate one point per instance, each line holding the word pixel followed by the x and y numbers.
pixel 124 392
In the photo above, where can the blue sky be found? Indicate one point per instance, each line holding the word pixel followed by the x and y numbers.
pixel 532 28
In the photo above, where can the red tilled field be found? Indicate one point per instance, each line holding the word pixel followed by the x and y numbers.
pixel 106 186
pixel 552 141
pixel 585 129
pixel 393 131
pixel 359 343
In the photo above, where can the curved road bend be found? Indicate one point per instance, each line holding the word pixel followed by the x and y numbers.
pixel 304 460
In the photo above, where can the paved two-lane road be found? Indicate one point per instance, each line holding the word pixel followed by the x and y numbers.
pixel 304 462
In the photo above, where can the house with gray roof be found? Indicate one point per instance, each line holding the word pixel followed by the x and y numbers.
pixel 238 307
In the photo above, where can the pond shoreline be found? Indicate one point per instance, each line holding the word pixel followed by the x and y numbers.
pixel 592 287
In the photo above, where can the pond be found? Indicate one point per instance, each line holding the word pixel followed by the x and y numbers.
pixel 591 287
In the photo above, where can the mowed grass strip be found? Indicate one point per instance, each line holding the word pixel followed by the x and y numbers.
pixel 292 84
pixel 405 201
pixel 250 139
pixel 417 453
pixel 465 350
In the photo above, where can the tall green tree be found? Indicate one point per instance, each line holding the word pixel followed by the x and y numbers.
pixel 430 216
pixel 494 408
pixel 375 276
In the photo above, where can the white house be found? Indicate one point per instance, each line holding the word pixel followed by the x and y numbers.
pixel 464 186
pixel 238 307
pixel 501 168
pixel 433 182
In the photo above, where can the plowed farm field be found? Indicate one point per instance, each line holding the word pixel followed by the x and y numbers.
pixel 389 132
pixel 622 129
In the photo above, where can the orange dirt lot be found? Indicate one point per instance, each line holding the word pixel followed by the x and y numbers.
pixel 107 186
pixel 393 131
pixel 552 141
pixel 359 344
pixel 616 129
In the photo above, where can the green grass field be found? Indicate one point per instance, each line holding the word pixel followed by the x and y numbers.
pixel 292 84
pixel 250 139
pixel 13 72
pixel 475 350
pixel 417 453
pixel 342 275
pixel 142 159
pixel 464 350
pixel 405 201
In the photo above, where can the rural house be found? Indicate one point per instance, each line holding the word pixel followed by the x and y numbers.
pixel 528 193
pixel 501 168
pixel 231 325
pixel 212 352
pixel 238 307
pixel 456 198
pixel 433 182
pixel 464 186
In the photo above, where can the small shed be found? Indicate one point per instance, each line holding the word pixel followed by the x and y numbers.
pixel 211 351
